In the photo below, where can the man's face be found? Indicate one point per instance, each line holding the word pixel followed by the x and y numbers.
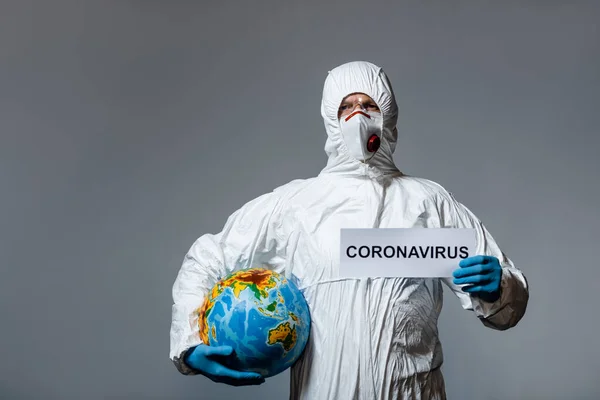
pixel 356 101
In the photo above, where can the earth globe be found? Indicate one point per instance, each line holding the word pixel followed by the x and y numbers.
pixel 262 315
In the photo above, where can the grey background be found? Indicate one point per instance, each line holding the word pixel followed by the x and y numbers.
pixel 129 128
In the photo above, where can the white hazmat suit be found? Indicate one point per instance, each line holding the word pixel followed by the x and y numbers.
pixel 370 338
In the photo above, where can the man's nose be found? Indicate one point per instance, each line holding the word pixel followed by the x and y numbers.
pixel 360 107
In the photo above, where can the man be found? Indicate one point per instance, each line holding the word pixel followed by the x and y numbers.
pixel 370 338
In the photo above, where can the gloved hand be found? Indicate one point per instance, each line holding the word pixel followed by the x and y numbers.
pixel 483 274
pixel 211 361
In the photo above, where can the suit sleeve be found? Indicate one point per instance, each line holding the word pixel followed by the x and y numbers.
pixel 250 238
pixel 508 310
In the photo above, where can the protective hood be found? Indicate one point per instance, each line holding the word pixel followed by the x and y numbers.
pixel 359 77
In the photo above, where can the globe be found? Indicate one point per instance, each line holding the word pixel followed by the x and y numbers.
pixel 259 313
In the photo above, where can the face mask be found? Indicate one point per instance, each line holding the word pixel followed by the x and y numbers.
pixel 361 132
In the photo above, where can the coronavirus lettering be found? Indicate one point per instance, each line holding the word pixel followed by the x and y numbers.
pixel 434 252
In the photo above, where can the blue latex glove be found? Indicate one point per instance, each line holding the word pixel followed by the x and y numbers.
pixel 211 362
pixel 483 274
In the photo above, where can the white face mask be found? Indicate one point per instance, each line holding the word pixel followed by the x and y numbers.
pixel 361 132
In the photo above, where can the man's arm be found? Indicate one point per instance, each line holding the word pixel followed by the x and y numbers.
pixel 248 239
pixel 508 309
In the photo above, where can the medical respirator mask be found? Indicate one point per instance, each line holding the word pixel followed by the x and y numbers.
pixel 361 132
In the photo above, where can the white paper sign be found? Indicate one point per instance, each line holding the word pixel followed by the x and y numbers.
pixel 399 252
